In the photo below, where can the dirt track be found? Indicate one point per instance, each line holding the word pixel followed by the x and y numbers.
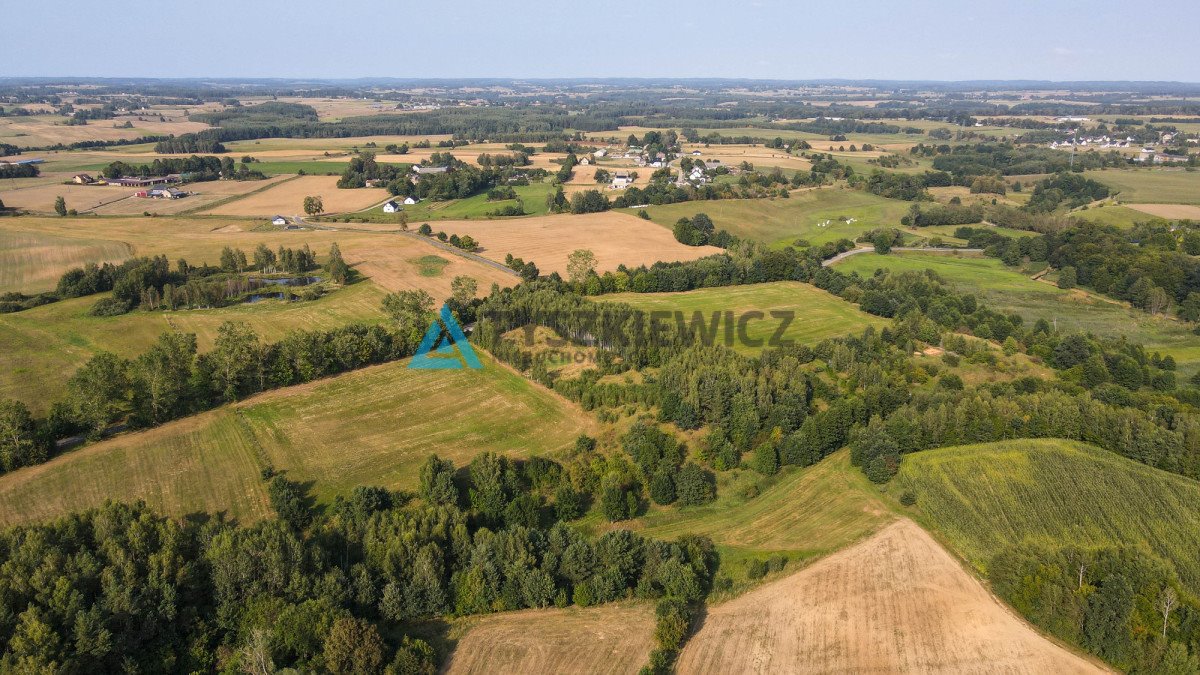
pixel 897 602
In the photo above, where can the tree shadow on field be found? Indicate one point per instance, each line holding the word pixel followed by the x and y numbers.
pixel 434 631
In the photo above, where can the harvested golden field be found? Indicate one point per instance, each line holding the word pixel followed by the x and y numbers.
pixel 386 258
pixel 761 157
pixel 39 198
pixel 203 194
pixel 1169 211
pixel 895 602
pixel 42 130
pixel 607 639
pixel 288 198
pixel 32 261
pixel 614 238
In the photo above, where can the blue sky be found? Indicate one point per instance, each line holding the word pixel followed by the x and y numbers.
pixel 898 39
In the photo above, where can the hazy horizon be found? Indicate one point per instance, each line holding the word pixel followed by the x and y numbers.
pixel 919 41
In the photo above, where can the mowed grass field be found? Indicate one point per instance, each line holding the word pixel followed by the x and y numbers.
pixel 779 222
pixel 983 498
pixel 817 315
pixel 614 638
pixel 804 512
pixel 33 261
pixel 43 346
pixel 370 427
pixel 1007 290
pixel 1153 186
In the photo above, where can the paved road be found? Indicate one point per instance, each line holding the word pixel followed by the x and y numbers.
pixel 871 249
pixel 413 235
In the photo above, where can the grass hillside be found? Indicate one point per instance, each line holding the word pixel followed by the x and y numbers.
pixel 1008 290
pixel 802 512
pixel 818 315
pixel 43 346
pixel 779 222
pixel 369 427
pixel 983 498
pixel 1153 186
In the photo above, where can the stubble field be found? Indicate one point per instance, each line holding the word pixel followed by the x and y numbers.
pixel 896 602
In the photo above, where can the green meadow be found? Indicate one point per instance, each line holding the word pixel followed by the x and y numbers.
pixel 817 315
pixel 984 498
pixel 369 427
pixel 1007 290
pixel 779 222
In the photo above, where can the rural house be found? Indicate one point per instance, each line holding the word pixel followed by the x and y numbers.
pixel 279 220
pixel 82 179
pixel 409 201
pixel 391 206
pixel 621 180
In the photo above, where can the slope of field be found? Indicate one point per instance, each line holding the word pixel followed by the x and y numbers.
pixel 609 639
pixel 779 222
pixel 1007 290
pixel 288 199
pixel 896 602
pixel 33 261
pixel 982 498
pixel 369 427
pixel 615 239
pixel 817 314
pixel 807 512
pixel 43 346
pixel 1153 186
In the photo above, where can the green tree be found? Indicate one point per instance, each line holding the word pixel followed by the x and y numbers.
pixel 463 289
pixel 313 205
pixel 337 268
pixel 160 378
pixel 353 648
pixel 60 206
pixel 96 393
pixel 1067 277
pixel 19 444
pixel 580 265
pixel 437 481
pixel 234 359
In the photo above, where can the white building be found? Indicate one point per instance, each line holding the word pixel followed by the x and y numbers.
pixel 391 207
pixel 279 220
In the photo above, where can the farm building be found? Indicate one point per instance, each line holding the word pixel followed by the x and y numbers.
pixel 409 201
pixel 82 179
pixel 391 206
pixel 621 180
pixel 585 161
pixel 423 170
pixel 695 153
pixel 600 153
pixel 279 220
pixel 143 181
